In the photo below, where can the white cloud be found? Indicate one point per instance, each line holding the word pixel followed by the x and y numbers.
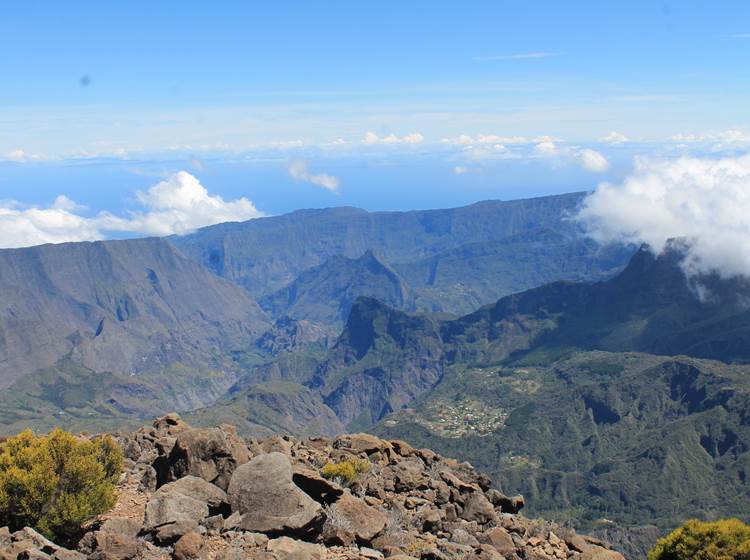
pixel 178 204
pixel 16 155
pixel 615 137
pixel 21 156
pixel 546 148
pixel 704 201
pixel 466 140
pixel 518 56
pixel 299 172
pixel 591 160
pixel 22 227
pixel 460 170
pixel 731 136
pixel 411 138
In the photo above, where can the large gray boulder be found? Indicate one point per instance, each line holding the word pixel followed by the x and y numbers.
pixel 199 489
pixel 170 515
pixel 209 453
pixel 263 494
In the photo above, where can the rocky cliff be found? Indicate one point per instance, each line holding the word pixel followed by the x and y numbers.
pixel 126 307
pixel 191 493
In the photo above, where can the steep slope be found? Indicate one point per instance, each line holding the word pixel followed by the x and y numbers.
pixel 324 294
pixel 382 361
pixel 650 307
pixel 130 308
pixel 464 278
pixel 268 254
pixel 610 441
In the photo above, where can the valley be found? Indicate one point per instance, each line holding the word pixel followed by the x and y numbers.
pixel 579 393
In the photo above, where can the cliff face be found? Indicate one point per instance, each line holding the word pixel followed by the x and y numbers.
pixel 125 307
pixel 451 259
pixel 206 493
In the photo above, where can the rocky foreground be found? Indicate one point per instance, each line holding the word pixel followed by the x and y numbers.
pixel 206 493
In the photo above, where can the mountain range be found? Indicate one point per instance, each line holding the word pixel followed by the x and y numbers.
pixel 603 383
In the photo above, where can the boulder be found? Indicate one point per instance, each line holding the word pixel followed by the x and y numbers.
pixel 289 549
pixel 478 508
pixel 208 453
pixel 114 546
pixel 596 552
pixel 199 489
pixel 171 515
pixel 122 525
pixel 501 540
pixel 188 547
pixel 363 521
pixel 507 504
pixel 263 494
pixel 314 485
pixel 361 443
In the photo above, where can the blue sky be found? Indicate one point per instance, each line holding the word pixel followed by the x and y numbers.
pixel 387 105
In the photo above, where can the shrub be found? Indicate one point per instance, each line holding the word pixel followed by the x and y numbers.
pixel 345 472
pixel 697 540
pixel 56 483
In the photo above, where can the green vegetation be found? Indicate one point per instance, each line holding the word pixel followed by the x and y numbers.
pixel 346 471
pixel 56 483
pixel 697 540
pixel 663 439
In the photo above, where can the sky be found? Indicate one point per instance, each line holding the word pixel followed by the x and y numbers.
pixel 149 118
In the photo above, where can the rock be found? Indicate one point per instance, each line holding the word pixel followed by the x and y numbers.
pixel 500 540
pixel 188 547
pixel 487 552
pixel 170 423
pixel 596 552
pixel 409 475
pixel 506 504
pixel 32 554
pixel 114 546
pixel 479 509
pixel 315 486
pixel 167 534
pixel 402 448
pixel 289 549
pixel 64 554
pixel 263 493
pixel 361 443
pixel 453 481
pixel 199 489
pixel 364 522
pixel 432 521
pixel 277 443
pixel 38 540
pixel 334 535
pixel 209 453
pixel 462 536
pixel 170 515
pixel 122 525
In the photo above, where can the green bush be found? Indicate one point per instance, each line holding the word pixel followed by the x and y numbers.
pixel 345 471
pixel 728 539
pixel 56 483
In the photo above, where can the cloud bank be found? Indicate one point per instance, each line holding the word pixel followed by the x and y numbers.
pixel 299 172
pixel 704 201
pixel 411 138
pixel 178 204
